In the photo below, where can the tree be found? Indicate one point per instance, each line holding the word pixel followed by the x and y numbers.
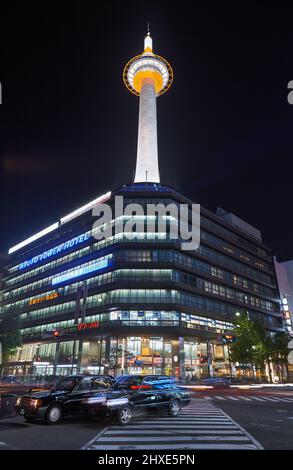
pixel 278 350
pixel 116 354
pixel 9 337
pixel 262 348
pixel 254 345
pixel 244 349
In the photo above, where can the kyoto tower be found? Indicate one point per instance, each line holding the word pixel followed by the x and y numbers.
pixel 147 75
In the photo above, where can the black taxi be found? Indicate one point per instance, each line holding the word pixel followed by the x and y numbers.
pixel 131 393
pixel 66 398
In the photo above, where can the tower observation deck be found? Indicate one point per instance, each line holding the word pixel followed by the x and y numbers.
pixel 147 76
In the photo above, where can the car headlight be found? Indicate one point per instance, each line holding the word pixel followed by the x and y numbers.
pixel 35 403
pixel 18 401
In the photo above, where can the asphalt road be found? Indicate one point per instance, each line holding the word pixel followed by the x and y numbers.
pixel 270 423
pixel 264 413
pixel 15 433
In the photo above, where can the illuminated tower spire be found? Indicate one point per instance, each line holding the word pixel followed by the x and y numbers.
pixel 147 76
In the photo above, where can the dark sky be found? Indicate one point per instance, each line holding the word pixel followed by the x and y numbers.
pixel 68 125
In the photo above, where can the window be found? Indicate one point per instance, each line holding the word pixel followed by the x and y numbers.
pixel 99 383
pixel 67 384
pixel 128 382
pixel 84 385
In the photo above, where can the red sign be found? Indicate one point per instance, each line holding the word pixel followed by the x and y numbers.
pixel 158 360
pixel 86 326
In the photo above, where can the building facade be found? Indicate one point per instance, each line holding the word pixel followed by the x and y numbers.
pixel 284 273
pixel 4 258
pixel 140 305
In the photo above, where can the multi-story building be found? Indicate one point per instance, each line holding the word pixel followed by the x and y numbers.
pixel 4 258
pixel 3 263
pixel 141 303
pixel 284 273
pixel 146 301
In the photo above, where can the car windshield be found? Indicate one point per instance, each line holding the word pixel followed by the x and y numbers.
pixel 67 384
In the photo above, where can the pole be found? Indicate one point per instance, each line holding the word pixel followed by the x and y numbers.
pixel 100 359
pixel 116 357
pixel 230 364
pixel 209 357
pixel 123 356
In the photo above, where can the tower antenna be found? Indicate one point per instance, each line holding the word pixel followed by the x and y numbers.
pixel 148 28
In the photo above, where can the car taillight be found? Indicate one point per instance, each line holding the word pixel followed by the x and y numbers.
pixel 136 387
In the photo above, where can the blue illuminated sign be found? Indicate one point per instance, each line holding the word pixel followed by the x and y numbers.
pixel 80 271
pixel 54 251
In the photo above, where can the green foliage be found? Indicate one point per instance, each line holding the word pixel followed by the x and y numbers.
pixel 255 346
pixel 278 348
pixel 243 350
pixel 9 336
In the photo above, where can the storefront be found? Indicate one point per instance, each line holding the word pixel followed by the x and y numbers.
pixel 185 357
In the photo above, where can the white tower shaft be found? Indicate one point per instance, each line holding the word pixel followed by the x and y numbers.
pixel 147 165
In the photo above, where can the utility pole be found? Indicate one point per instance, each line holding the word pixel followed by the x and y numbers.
pixel 230 363
pixel 209 357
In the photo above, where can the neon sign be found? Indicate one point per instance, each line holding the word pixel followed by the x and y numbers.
pixel 85 326
pixel 54 251
pixel 80 271
pixel 43 298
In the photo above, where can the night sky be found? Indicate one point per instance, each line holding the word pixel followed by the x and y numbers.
pixel 68 126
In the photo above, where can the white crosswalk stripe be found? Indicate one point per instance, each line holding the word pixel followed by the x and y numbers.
pixel 201 425
pixel 257 398
pixel 250 398
pixel 271 399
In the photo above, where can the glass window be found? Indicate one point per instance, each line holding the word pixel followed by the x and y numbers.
pixel 84 385
pixel 100 383
pixel 128 382
pixel 67 384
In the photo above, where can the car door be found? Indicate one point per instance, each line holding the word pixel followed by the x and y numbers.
pixel 72 403
pixel 129 386
pixel 163 389
pixel 146 393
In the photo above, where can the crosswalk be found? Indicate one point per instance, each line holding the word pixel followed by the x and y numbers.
pixel 249 398
pixel 201 425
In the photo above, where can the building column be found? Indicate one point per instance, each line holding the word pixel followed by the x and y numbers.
pixel 56 359
pixel 107 354
pixel 79 354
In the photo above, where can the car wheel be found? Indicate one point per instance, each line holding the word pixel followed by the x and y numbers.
pixel 174 408
pixel 124 415
pixel 54 414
